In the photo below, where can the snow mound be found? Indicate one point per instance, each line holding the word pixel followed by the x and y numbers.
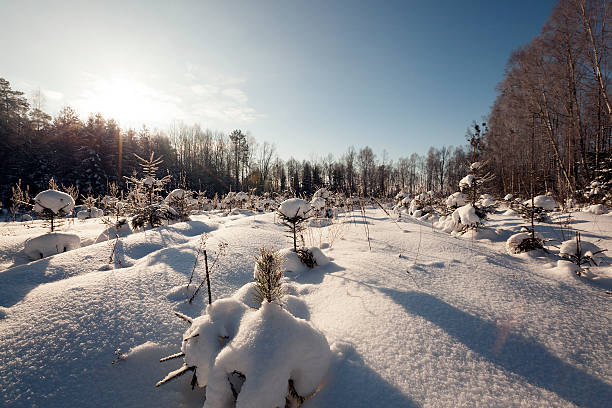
pixel 247 294
pixel 270 348
pixel 121 229
pixel 513 243
pixel 294 207
pixel 51 244
pixel 597 209
pixel 292 262
pixel 201 340
pixel 457 199
pixel 57 202
pixel 542 201
pixel 510 211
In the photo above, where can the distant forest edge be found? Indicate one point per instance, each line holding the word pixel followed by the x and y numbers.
pixel 551 123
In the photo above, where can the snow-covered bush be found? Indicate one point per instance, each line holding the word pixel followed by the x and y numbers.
pixel 53 205
pixel 472 185
pixel 524 242
pixel 599 190
pixel 50 244
pixel 597 209
pixel 250 351
pixel 182 202
pixel 582 253
pixel 146 204
pixel 318 206
pixel 293 212
pixel 542 204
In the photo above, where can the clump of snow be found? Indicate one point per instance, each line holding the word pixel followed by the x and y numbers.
pixel 587 249
pixel 543 201
pixel 510 211
pixel 248 295
pixel 51 244
pixel 486 200
pixel 176 194
pixel 508 197
pixel 475 166
pixel 292 262
pixel 201 340
pixel 467 181
pixel 120 229
pixel 457 199
pixel 597 209
pixel 318 204
pixel 466 215
pixel 93 213
pixel 55 201
pixel 513 243
pixel 294 207
pixel 270 348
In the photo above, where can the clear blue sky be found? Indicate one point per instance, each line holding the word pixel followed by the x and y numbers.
pixel 313 77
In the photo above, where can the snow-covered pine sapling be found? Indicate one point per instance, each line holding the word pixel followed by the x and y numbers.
pixel 147 205
pixel 473 184
pixel 293 212
pixel 583 254
pixel 53 205
pixel 268 276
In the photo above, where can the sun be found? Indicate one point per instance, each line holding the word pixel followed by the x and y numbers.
pixel 128 100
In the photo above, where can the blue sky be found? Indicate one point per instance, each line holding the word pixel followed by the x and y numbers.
pixel 312 77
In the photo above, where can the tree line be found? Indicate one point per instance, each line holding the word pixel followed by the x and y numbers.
pixel 91 154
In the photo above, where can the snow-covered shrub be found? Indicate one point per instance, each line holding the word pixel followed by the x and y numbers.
pixel 508 197
pixel 524 242
pixel 293 261
pixel 583 254
pixel 146 204
pixel 542 204
pixel 53 205
pixel 293 212
pixel 182 202
pixel 473 183
pixel 318 206
pixel 251 352
pixel 51 244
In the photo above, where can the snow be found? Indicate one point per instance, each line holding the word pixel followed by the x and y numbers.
pixel 51 244
pixel 466 215
pixel 542 201
pixel 270 347
pixel 467 181
pixel 508 197
pixel 597 209
pixel 294 207
pixel 58 202
pixel 475 166
pixel 570 248
pixel 176 194
pixel 516 239
pixel 457 199
pixel 317 204
pixel 93 213
pixel 422 319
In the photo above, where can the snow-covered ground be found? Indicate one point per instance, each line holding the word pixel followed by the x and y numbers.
pixel 422 319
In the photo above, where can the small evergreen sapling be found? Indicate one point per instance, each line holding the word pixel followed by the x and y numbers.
pixel 293 212
pixel 583 254
pixel 146 203
pixel 53 205
pixel 268 276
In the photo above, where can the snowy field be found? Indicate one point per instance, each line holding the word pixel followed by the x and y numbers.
pixel 423 319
